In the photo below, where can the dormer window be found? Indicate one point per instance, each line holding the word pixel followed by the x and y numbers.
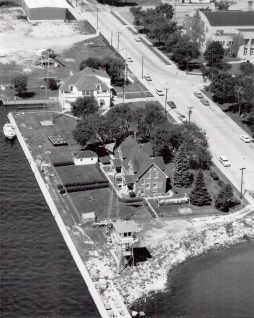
pixel 71 88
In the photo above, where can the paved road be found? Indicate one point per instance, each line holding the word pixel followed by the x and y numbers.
pixel 222 132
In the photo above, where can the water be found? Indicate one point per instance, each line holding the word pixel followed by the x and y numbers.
pixel 217 284
pixel 38 276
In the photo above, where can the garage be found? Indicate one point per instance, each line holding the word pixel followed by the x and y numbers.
pixel 44 10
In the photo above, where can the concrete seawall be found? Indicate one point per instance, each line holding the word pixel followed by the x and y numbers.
pixel 91 287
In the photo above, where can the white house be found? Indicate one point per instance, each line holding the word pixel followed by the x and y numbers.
pixel 88 82
pixel 86 157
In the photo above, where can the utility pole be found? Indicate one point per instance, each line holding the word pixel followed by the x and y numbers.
pixel 190 111
pixel 124 79
pixel 166 99
pixel 241 194
pixel 97 17
pixel 118 34
pixel 142 66
pixel 111 38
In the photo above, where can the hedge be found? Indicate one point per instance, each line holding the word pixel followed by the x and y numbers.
pixel 129 200
pixel 214 175
pixel 74 184
pixel 84 188
pixel 61 164
pixel 221 183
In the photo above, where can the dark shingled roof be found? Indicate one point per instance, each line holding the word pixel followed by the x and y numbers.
pixel 127 145
pixel 230 18
pixel 85 154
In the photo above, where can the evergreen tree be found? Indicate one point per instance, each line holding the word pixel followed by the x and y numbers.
pixel 182 174
pixel 224 199
pixel 200 196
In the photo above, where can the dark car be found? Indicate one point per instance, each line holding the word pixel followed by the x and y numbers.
pixel 24 17
pixel 171 104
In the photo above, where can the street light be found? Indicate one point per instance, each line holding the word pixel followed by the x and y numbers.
pixel 97 17
pixel 241 194
pixel 190 112
pixel 142 66
pixel 118 34
pixel 166 99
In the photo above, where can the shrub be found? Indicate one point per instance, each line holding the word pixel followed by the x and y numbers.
pixel 132 194
pixel 214 175
pixel 86 187
pixel 130 200
pixel 62 164
pixel 221 183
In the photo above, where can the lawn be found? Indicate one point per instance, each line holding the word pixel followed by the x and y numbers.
pixel 135 90
pixel 98 201
pixel 79 174
pixel 61 156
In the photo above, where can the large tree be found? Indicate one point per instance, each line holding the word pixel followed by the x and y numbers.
pixel 182 174
pixel 84 106
pixel 224 199
pixel 223 86
pixel 244 90
pixel 200 196
pixel 214 54
pixel 86 130
pixel 114 68
pixel 93 62
pixel 247 69
pixel 19 83
pixel 184 52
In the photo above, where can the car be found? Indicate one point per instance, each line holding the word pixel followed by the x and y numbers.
pixel 129 59
pixel 23 17
pixel 182 118
pixel 205 101
pixel 171 104
pixel 245 138
pixel 251 192
pixel 148 77
pixel 159 91
pixel 137 39
pixel 224 161
pixel 198 94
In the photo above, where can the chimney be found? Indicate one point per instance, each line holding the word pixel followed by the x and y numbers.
pixel 250 6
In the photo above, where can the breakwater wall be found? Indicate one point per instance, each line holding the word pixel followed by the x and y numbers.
pixel 90 284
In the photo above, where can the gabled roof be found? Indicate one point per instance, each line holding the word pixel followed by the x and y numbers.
pixel 88 71
pixel 229 18
pixel 47 3
pixel 126 146
pixel 125 226
pixel 137 156
pixel 85 154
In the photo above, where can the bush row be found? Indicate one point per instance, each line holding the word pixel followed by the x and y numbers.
pixel 129 200
pixel 221 183
pixel 84 188
pixel 73 184
pixel 61 164
pixel 214 175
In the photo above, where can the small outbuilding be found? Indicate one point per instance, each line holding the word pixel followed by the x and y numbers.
pixel 39 10
pixel 86 157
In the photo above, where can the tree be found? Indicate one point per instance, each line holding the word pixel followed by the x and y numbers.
pixel 19 82
pixel 205 9
pixel 214 54
pixel 148 119
pixel 114 68
pixel 166 10
pixel 200 196
pixel 86 130
pixel 182 174
pixel 223 86
pixel 200 157
pixel 247 69
pixel 185 51
pixel 84 106
pixel 238 40
pixel 93 62
pixel 244 90
pixel 172 40
pixel 224 199
pixel 51 83
pixel 222 6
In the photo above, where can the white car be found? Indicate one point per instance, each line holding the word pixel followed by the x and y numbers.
pixel 129 59
pixel 137 39
pixel 198 94
pixel 148 77
pixel 205 101
pixel 159 91
pixel 245 138
pixel 225 161
pixel 182 118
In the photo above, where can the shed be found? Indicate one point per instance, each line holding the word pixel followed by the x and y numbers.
pixel 38 10
pixel 88 216
pixel 126 228
pixel 86 157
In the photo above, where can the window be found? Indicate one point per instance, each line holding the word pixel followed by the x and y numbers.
pixel 71 88
pixel 143 181
pixel 155 185
pixel 245 51
pixel 149 175
pixel 156 175
pixel 252 42
pixel 124 234
pixel 129 233
pixel 246 41
pixel 251 51
pixel 81 159
pixel 148 186
pixel 91 158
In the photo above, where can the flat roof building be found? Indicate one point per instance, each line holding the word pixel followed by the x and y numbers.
pixel 39 10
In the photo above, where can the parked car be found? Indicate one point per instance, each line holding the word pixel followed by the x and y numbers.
pixel 205 101
pixel 129 59
pixel 182 118
pixel 24 17
pixel 224 161
pixel 245 138
pixel 171 104
pixel 159 91
pixel 137 39
pixel 148 77
pixel 198 94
